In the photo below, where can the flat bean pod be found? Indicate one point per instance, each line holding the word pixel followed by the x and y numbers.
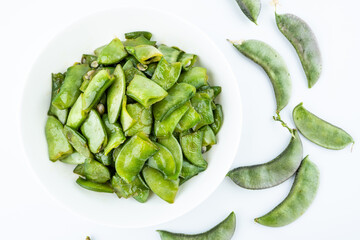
pixel 319 131
pixel 251 9
pixel 116 94
pixel 57 80
pixel 174 147
pixel 93 186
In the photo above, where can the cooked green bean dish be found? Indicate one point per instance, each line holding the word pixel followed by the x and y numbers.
pixel 135 117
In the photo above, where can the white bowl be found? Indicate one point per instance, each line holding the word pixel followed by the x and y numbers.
pixel 83 37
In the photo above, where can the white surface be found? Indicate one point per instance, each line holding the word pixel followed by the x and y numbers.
pixel 27 211
pixel 67 47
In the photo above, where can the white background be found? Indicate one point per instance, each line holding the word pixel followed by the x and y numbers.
pixel 28 212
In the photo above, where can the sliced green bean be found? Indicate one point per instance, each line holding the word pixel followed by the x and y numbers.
pixel 319 131
pixel 57 80
pixel 77 141
pixel 272 173
pixel 189 120
pixel 251 9
pixel 115 133
pixel 58 146
pixel 127 121
pixel 302 194
pixel 209 138
pixel 80 169
pixel 273 64
pixel 136 34
pixel 130 71
pixel 151 69
pixel 191 146
pixel 143 119
pixel 202 104
pixel 88 59
pixel 116 94
pixel 141 40
pixel 218 119
pixel 170 54
pixel 74 158
pixel 188 171
pixel 163 161
pixel 104 159
pixel 166 74
pixel 145 53
pixel 95 171
pixel 223 231
pixel 300 35
pixel 174 147
pixel 187 60
pixel 196 76
pixel 112 53
pixel 76 115
pixel 93 186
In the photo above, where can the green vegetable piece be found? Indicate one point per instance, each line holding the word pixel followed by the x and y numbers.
pixel 188 171
pixel 136 189
pixel 143 192
pixel 116 94
pixel 174 147
pixel 166 74
pixel 125 118
pixel 141 40
pixel 95 171
pixel 207 91
pixel 302 193
pixel 74 158
pixel 191 146
pixel 94 131
pixel 145 54
pixel 209 136
pixel 151 69
pixel 112 53
pixel 88 59
pixel 304 41
pixel 177 95
pixel 251 9
pixel 69 90
pixel 202 104
pixel 217 90
pixel 115 133
pixel 223 231
pixel 77 141
pixel 218 119
pixel 189 120
pixel 57 80
pixel 187 60
pixel 99 49
pixel 163 161
pixel 80 169
pixel 92 186
pixel 196 76
pixel 145 91
pixel 76 115
pixel 133 155
pixel 130 71
pixel 272 173
pixel 97 86
pixel 58 146
pixel 170 54
pixel 143 119
pixel 166 127
pixel 273 64
pixel 104 159
pixel 166 189
pixel 136 34
pixel 319 131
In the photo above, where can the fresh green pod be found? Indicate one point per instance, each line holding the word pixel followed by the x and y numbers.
pixel 145 91
pixel 115 133
pixel 104 159
pixel 97 86
pixel 74 158
pixel 116 94
pixel 94 130
pixel 171 55
pixel 143 119
pixel 209 138
pixel 69 91
pixel 95 171
pixel 126 120
pixel 76 115
pixel 166 74
pixel 145 54
pixel 78 141
pixel 166 189
pixel 273 64
pixel 300 35
pixel 191 145
pixel 218 119
pixel 177 95
pixel 163 161
pixel 301 195
pixel 174 147
pixel 112 53
pixel 319 131
pixel 141 40
pixel 57 79
pixel 166 127
pixel 93 186
pixel 189 120
pixel 188 171
pixel 133 156
pixel 58 146
pixel 196 76
pixel 223 231
pixel 272 173
pixel 187 60
pixel 80 169
pixel 202 104
pixel 251 9
pixel 136 34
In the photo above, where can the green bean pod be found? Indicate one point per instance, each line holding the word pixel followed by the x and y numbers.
pixel 202 103
pixel 142 117
pixel 112 53
pixel 223 231
pixel 93 186
pixel 189 120
pixel 272 173
pixel 251 9
pixel 126 190
pixel 163 161
pixel 95 171
pixel 187 60
pixel 174 147
pixel 126 120
pixel 273 64
pixel 191 145
pixel 74 158
pixel 218 119
pixel 300 35
pixel 77 141
pixel 136 34
pixel 115 133
pixel 301 195
pixel 106 160
pixel 57 80
pixel 188 171
pixel 145 54
pixel 141 40
pixel 170 54
pixel 319 131
pixel 209 138
pixel 196 76
pixel 166 74
pixel 116 94
pixel 76 115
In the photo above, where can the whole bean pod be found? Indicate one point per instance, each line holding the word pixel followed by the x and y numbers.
pixel 251 9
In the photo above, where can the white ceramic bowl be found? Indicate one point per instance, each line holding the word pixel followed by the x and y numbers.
pixel 83 37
